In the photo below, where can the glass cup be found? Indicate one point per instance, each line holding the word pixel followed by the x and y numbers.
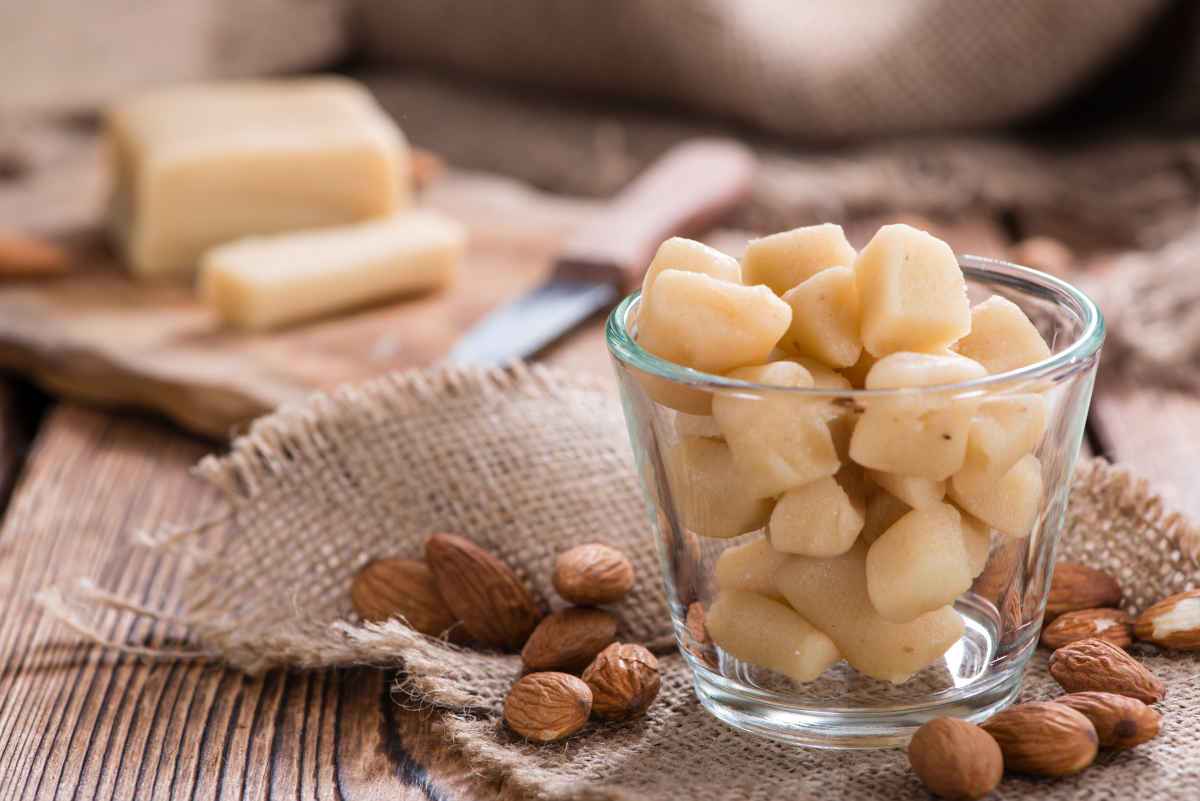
pixel 711 488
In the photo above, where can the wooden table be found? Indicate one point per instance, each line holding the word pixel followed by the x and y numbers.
pixel 78 722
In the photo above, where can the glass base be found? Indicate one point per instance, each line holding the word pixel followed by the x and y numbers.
pixel 844 709
pixel 844 728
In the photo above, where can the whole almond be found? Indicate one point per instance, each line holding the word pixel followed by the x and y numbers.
pixel 1120 722
pixel 544 707
pixel 28 257
pixel 955 759
pixel 1075 586
pixel 1001 569
pixel 1112 625
pixel 593 574
pixel 569 639
pixel 1098 665
pixel 1044 739
pixel 401 588
pixel 624 679
pixel 698 643
pixel 1173 622
pixel 495 607
pixel 694 622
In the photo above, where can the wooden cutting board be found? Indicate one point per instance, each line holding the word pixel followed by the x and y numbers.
pixel 97 336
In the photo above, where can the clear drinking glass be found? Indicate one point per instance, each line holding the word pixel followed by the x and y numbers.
pixel 980 673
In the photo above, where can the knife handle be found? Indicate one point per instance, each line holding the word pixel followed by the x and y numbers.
pixel 684 192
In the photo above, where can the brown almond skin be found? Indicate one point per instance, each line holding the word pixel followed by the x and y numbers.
pixel 545 707
pixel 1075 586
pixel 401 588
pixel 955 759
pixel 1001 569
pixel 569 639
pixel 1120 722
pixel 593 574
pixel 625 680
pixel 1187 639
pixel 495 607
pixel 699 644
pixel 1044 739
pixel 1112 625
pixel 695 623
pixel 1100 666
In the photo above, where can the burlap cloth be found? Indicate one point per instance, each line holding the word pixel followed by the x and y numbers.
pixel 821 69
pixel 817 70
pixel 528 461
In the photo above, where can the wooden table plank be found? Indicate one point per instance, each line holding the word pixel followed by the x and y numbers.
pixel 1155 431
pixel 19 413
pixel 78 721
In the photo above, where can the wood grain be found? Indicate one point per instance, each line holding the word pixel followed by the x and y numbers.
pixel 16 431
pixel 96 335
pixel 80 722
pixel 1156 432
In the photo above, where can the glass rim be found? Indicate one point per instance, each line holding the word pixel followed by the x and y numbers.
pixel 1074 357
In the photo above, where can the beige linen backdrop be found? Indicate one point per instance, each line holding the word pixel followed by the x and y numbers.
pixel 819 69
pixel 812 70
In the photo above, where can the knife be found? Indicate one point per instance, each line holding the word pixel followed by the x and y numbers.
pixel 684 192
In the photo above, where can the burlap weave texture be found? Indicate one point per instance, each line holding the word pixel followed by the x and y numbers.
pixel 527 462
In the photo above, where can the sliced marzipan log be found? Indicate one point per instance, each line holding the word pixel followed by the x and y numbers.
pixel 202 164
pixel 783 260
pixel 912 292
pixel 263 282
pixel 769 634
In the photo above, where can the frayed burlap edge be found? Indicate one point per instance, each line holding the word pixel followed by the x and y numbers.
pixel 467 685
pixel 271 446
pixel 493 755
pixel 275 443
pixel 272 441
pixel 1097 476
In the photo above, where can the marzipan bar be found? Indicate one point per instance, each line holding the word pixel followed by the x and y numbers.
pixel 260 283
pixel 200 165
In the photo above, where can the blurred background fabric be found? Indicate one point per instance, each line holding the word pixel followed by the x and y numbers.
pixel 814 71
pixel 808 71
pixel 67 55
pixel 928 105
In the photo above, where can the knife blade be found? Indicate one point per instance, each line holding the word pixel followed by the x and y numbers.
pixel 687 190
